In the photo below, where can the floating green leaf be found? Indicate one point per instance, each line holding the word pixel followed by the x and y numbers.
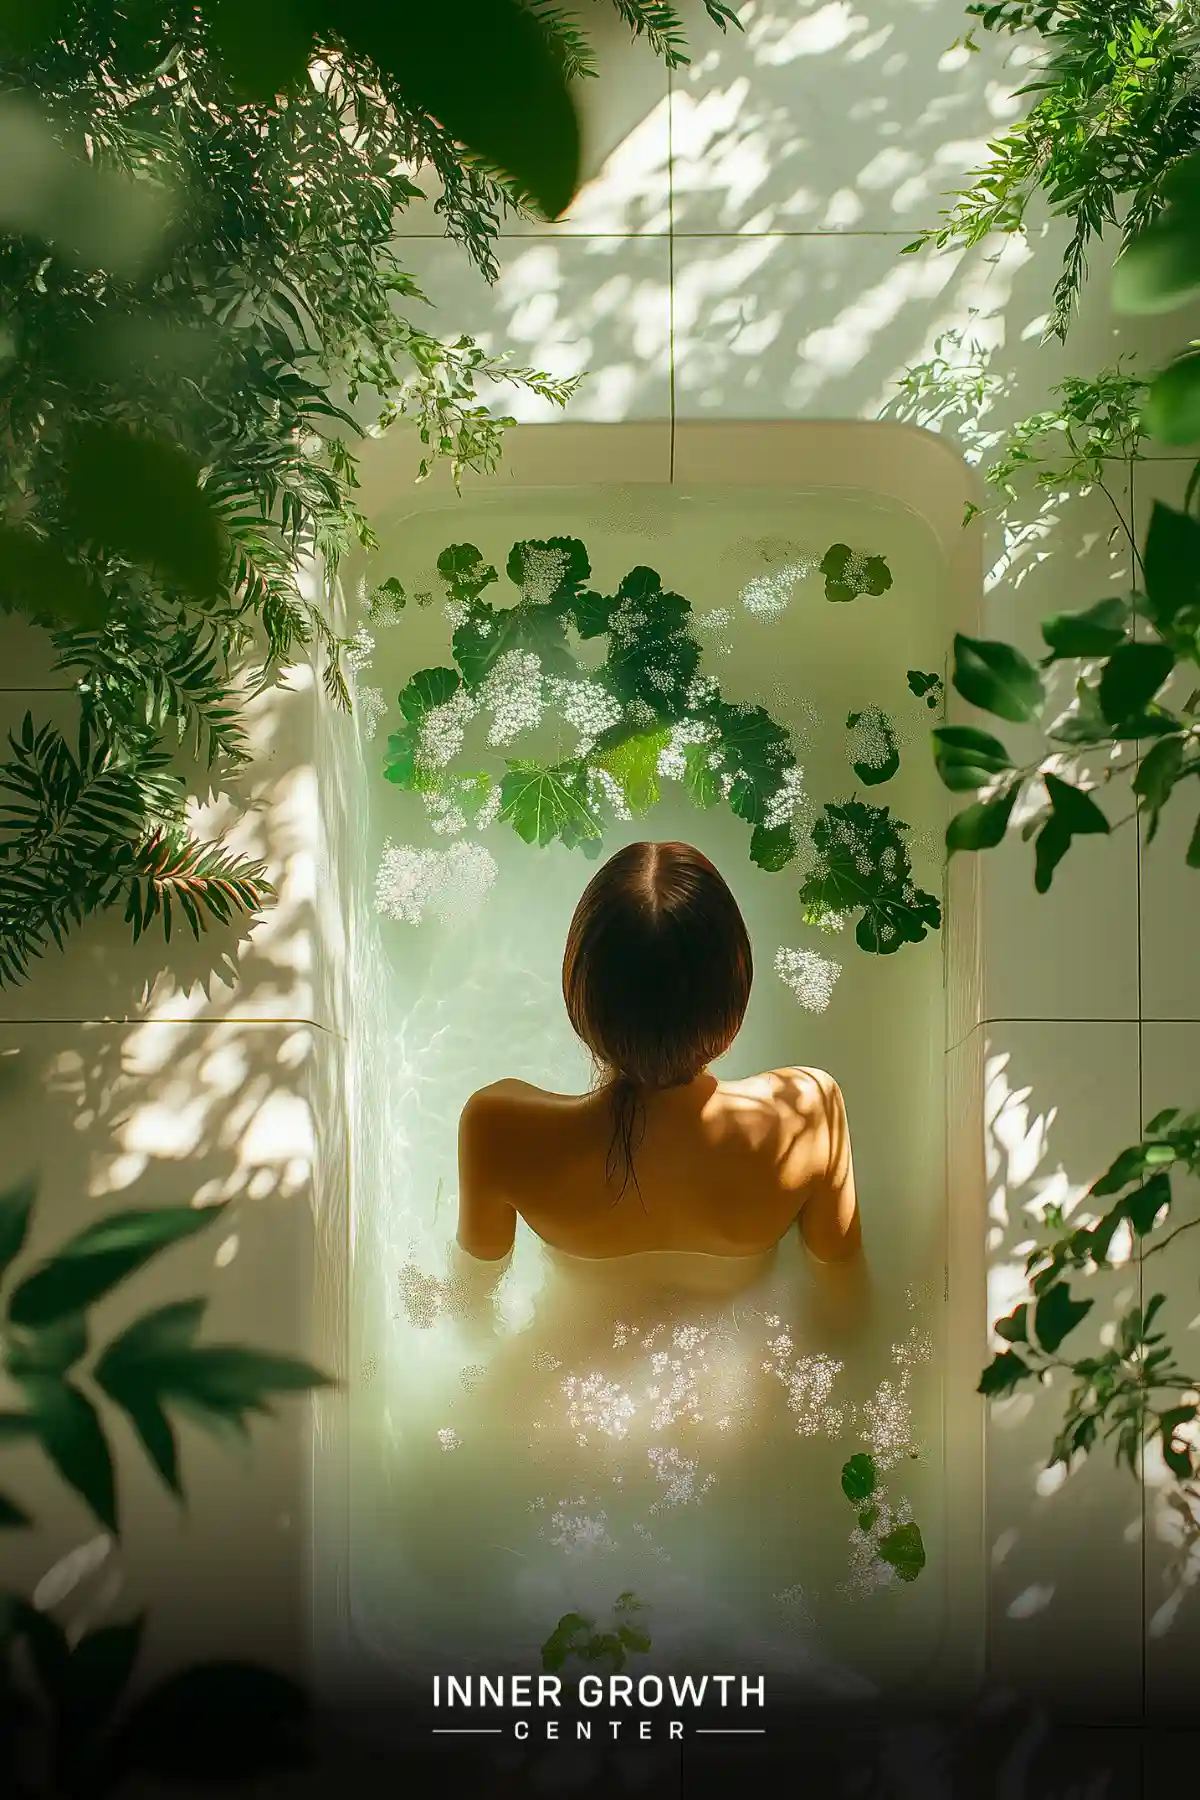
pixel 543 804
pixel 903 1550
pixel 848 573
pixel 427 689
pixel 633 764
pixel 700 779
pixel 466 574
pixel 882 760
pixel 859 1477
pixel 772 848
pixel 863 864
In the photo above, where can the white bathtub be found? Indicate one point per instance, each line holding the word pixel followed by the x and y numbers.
pixel 900 488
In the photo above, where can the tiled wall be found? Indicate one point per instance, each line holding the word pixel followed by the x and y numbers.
pixel 737 255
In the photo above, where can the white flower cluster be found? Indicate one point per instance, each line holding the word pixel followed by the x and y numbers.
pixel 587 705
pixel 713 629
pixel 444 727
pixel 672 765
pixel 513 694
pixel 447 883
pixel 789 804
pixel 871 738
pixel 765 597
pixel 812 978
pixel 358 653
pixel 542 572
pixel 371 706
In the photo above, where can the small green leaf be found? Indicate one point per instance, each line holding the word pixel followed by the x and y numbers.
pixel 1057 1314
pixel 1162 1120
pixel 772 849
pixel 633 764
pixel 868 1518
pixel 997 678
pixel 1014 1328
pixel 427 689
pixel 1156 777
pixel 69 1429
pixel 700 780
pixel 400 768
pixel 1158 270
pixel 1096 631
pixel 1144 1205
pixel 982 826
pixel 859 1477
pixel 1003 1375
pixel 99 1257
pixel 633 1640
pixel 848 573
pixel 544 804
pixel 1131 678
pixel 462 568
pixel 966 758
pixel 1193 850
pixel 904 1551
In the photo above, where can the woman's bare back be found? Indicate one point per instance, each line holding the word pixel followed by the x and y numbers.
pixel 722 1167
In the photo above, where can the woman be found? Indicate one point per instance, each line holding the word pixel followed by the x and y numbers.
pixel 660 1156
pixel 654 1403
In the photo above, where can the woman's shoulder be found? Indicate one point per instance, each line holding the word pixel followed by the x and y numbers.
pixel 795 1087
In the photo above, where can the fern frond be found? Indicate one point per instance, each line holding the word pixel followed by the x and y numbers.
pixel 174 874
pixel 661 26
pixel 578 60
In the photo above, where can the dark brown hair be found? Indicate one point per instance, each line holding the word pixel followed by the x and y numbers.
pixel 656 975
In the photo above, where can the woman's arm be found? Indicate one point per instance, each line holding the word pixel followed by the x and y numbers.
pixel 829 1218
pixel 487 1223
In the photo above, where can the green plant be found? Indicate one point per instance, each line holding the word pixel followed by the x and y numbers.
pixel 69 1700
pixel 647 714
pixel 196 321
pixel 575 1635
pixel 1116 104
pixel 1132 1391
pixel 1127 650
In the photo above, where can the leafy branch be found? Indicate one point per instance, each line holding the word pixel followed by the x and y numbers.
pixel 1134 1390
pixel 65 1708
